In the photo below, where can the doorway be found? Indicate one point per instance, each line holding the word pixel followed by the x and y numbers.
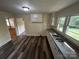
pixel 11 27
pixel 20 26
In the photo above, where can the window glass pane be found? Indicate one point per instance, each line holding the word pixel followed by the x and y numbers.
pixel 61 23
pixel 36 18
pixel 53 20
pixel 73 28
pixel 11 20
pixel 7 22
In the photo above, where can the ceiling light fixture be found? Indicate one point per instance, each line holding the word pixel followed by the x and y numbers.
pixel 25 8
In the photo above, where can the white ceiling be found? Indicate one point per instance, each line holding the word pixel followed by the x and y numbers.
pixel 15 6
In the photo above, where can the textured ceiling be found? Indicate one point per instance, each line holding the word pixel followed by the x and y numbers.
pixel 15 6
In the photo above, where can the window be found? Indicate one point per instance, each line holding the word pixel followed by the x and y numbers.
pixel 10 22
pixel 53 20
pixel 7 22
pixel 61 23
pixel 73 27
pixel 36 18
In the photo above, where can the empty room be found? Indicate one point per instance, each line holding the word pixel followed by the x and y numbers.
pixel 39 29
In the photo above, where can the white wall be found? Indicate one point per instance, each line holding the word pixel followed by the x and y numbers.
pixel 5 14
pixel 36 29
pixel 4 32
pixel 70 10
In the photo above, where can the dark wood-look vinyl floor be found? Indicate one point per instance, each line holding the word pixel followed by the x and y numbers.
pixel 36 48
